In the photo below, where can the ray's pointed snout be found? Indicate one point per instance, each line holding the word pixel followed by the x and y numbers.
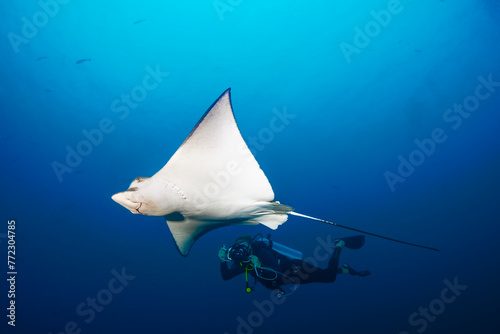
pixel 118 198
pixel 124 200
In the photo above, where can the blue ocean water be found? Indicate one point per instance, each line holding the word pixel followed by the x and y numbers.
pixel 379 115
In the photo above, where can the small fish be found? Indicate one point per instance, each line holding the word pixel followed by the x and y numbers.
pixel 41 58
pixel 82 60
pixel 417 50
pixel 48 90
pixel 136 22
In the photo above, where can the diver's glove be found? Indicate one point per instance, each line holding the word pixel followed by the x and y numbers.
pixel 223 253
pixel 255 260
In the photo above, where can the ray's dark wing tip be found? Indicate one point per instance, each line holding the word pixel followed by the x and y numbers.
pixel 226 92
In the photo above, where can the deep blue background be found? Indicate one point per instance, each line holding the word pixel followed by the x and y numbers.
pixel 353 120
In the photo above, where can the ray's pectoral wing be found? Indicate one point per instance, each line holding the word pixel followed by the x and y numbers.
pixel 187 230
pixel 219 176
pixel 214 162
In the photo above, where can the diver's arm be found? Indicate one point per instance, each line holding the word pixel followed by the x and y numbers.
pixel 229 270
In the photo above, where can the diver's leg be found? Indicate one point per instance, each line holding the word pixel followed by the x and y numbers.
pixel 354 242
pixel 346 269
pixel 329 274
pixel 303 272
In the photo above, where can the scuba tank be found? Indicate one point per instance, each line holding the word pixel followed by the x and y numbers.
pixel 284 250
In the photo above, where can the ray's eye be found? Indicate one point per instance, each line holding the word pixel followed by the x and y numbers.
pixel 132 189
pixel 140 178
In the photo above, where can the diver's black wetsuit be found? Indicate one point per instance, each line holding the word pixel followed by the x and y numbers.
pixel 277 269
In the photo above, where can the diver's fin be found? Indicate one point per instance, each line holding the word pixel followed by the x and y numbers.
pixel 354 242
pixel 346 269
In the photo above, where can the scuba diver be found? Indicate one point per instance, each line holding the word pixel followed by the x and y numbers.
pixel 280 268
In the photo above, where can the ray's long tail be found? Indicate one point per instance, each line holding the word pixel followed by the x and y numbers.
pixel 361 231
